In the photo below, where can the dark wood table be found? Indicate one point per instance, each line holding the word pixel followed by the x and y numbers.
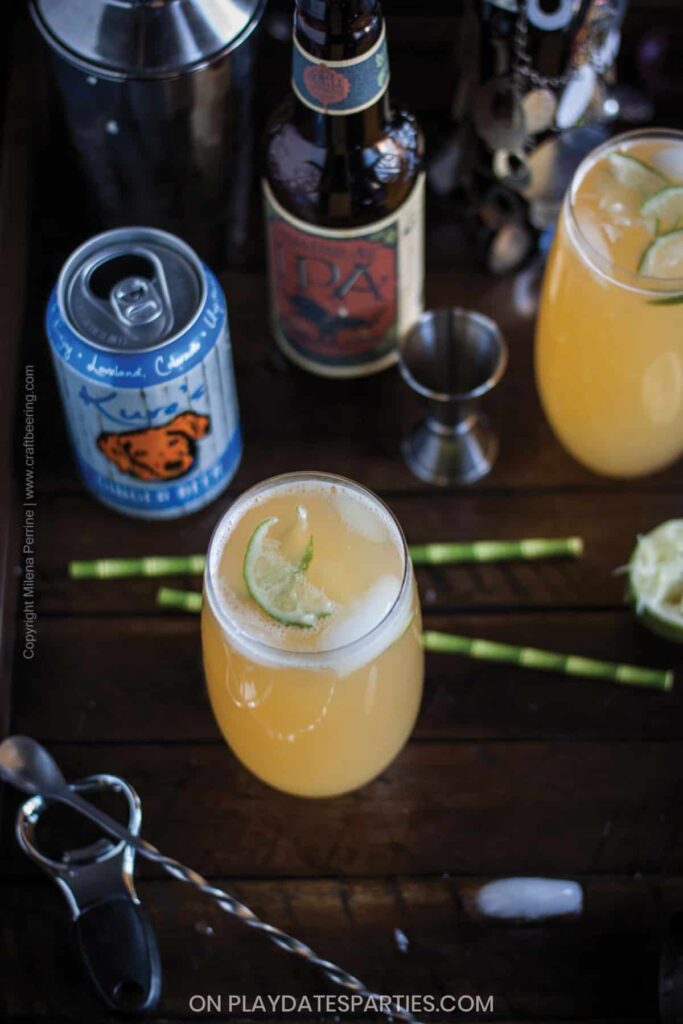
pixel 508 772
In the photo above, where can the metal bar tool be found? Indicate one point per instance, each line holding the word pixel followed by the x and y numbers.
pixel 113 932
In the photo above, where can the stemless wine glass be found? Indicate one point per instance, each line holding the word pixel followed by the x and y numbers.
pixel 609 343
pixel 315 714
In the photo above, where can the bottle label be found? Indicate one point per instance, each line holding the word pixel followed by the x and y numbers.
pixel 341 86
pixel 341 299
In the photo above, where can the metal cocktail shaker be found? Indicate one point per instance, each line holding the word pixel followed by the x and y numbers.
pixel 158 96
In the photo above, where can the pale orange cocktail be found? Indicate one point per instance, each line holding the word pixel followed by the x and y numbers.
pixel 319 705
pixel 609 342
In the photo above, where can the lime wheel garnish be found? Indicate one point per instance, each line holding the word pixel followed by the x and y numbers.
pixel 279 587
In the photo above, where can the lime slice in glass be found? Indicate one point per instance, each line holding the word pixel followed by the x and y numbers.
pixel 301 525
pixel 666 205
pixel 664 256
pixel 635 173
pixel 281 588
pixel 655 575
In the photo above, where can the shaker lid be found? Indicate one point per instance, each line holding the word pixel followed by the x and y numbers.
pixel 143 38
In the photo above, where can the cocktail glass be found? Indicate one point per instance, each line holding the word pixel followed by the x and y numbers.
pixel 609 341
pixel 307 719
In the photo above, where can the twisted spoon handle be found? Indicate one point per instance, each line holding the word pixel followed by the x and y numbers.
pixel 291 945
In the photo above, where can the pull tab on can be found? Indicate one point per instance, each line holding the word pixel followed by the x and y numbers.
pixel 128 288
pixel 136 301
pixel 132 291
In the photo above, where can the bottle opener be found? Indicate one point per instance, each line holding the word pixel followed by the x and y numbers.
pixel 114 934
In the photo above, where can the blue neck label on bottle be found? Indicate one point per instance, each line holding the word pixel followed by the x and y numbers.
pixel 341 86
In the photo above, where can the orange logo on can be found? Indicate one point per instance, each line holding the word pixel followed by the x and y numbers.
pixel 325 84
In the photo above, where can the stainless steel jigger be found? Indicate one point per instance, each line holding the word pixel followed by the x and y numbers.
pixel 452 358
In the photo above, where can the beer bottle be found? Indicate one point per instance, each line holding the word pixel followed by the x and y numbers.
pixel 344 197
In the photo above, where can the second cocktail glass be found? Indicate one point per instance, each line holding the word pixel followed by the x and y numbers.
pixel 609 345
pixel 320 704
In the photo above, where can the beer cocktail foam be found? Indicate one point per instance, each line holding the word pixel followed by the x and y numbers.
pixel 361 627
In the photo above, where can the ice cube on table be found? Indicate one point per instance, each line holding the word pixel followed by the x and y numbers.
pixel 528 899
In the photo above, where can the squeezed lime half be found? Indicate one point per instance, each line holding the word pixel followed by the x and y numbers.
pixel 279 587
pixel 655 575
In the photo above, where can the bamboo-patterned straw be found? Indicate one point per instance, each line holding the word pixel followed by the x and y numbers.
pixel 183 600
pixel 497 550
pixel 549 661
pixel 115 568
pixel 489 650
pixel 422 554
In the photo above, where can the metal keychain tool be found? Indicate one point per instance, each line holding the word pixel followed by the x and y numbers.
pixel 114 934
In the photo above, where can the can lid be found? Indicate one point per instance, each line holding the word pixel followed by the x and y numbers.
pixel 131 289
pixel 143 38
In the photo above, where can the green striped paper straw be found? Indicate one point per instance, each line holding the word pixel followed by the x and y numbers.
pixel 489 650
pixel 182 600
pixel 548 661
pixel 497 550
pixel 421 554
pixel 115 568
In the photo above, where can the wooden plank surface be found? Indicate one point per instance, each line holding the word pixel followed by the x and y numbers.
pixel 495 807
pixel 141 679
pixel 510 771
pixel 80 528
pixel 601 963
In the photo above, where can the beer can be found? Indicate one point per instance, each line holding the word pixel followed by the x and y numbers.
pixel 138 329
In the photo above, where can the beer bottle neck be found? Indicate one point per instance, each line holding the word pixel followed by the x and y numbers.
pixel 334 30
pixel 340 64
